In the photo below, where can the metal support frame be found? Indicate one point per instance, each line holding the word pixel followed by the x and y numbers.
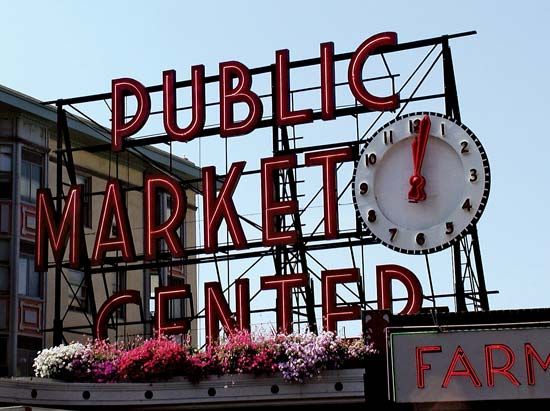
pixel 463 272
pixel 65 156
pixel 57 321
pixel 286 259
pixel 83 246
pixel 297 253
pixel 285 256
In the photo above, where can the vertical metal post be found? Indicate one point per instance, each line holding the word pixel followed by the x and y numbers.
pixel 453 110
pixel 451 97
pixel 482 288
pixel 146 297
pixel 86 266
pixel 460 298
pixel 57 320
pixel 277 257
pixel 14 261
pixel 300 246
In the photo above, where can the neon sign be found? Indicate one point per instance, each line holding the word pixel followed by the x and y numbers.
pixel 235 87
pixel 216 207
pixel 243 93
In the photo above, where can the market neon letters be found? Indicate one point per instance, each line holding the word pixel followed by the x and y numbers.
pixel 230 95
pixel 154 231
pixel 327 160
pixel 272 208
pixel 222 207
pixel 57 232
pixel 113 209
pixel 218 206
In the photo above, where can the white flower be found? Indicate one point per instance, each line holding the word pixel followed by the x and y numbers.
pixel 52 361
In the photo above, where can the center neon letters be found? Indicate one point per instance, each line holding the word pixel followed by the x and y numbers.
pixel 217 310
pixel 230 95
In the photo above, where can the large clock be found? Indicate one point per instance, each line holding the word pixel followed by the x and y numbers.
pixel 421 182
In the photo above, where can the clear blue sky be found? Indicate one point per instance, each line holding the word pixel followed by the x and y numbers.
pixel 67 48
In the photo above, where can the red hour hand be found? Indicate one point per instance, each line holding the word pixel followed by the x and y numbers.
pixel 417 180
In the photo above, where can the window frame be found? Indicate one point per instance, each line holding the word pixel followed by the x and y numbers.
pixel 26 276
pixel 5 263
pixel 86 205
pixel 33 160
pixel 77 303
pixel 6 176
pixel 120 283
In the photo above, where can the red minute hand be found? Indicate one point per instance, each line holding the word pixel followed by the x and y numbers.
pixel 417 180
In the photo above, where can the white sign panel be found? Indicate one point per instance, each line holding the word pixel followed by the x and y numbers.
pixel 470 365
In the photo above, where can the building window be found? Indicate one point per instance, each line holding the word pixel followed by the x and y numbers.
pixel 3 356
pixel 86 210
pixel 77 290
pixel 120 281
pixel 31 176
pixel 154 282
pixel 4 315
pixel 27 349
pixel 30 282
pixel 5 171
pixel 4 266
pixel 176 308
pixel 164 207
pixel 119 284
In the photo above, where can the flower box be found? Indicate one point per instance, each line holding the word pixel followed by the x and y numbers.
pixel 298 358
pixel 232 390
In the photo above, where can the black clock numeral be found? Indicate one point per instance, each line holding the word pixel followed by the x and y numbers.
pixel 413 125
pixel 442 130
pixel 393 233
pixel 363 188
pixel 467 205
pixel 370 159
pixel 473 175
pixel 371 216
pixel 420 239
pixel 449 227
pixel 464 147
pixel 388 137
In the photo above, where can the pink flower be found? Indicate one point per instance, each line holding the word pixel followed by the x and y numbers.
pixel 156 359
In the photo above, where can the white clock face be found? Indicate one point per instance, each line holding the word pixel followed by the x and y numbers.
pixel 421 182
